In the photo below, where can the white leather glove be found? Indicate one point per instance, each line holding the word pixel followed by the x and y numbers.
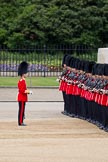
pixel 30 92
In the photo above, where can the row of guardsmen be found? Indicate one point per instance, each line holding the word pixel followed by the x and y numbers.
pixel 84 85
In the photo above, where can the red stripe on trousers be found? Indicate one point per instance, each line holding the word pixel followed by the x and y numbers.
pixel 22 110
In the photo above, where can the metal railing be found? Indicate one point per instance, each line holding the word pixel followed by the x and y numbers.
pixel 43 60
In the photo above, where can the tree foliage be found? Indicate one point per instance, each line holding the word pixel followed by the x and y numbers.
pixel 54 22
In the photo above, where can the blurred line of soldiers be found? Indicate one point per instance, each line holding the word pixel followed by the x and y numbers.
pixel 84 85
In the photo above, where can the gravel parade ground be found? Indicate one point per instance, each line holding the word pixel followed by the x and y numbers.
pixel 49 136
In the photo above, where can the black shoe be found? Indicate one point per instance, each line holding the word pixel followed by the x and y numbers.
pixel 105 129
pixel 64 112
pixel 88 119
pixel 101 127
pixel 93 122
pixel 71 115
pixel 22 124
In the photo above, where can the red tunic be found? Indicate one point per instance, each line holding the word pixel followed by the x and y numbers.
pixel 83 93
pixel 22 96
pixel 104 100
pixel 69 88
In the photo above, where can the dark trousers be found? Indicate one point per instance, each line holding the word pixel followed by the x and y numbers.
pixel 83 108
pixel 21 112
pixel 64 99
pixel 105 116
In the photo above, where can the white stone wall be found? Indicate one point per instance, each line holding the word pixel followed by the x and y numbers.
pixel 102 55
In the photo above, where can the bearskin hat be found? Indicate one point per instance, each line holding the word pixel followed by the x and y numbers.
pixel 23 68
pixel 67 61
pixel 72 62
pixel 64 59
pixel 91 65
pixel 101 68
pixel 106 70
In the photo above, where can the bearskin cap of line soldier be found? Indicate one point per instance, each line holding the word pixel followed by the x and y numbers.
pixel 83 62
pixel 23 68
pixel 64 59
pixel 100 69
pixel 105 69
pixel 91 64
pixel 68 60
pixel 86 66
pixel 76 62
pixel 72 62
pixel 78 65
pixel 95 69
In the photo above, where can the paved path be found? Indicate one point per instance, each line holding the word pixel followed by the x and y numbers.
pixel 39 94
pixel 39 110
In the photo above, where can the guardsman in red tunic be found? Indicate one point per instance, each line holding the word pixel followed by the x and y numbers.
pixel 63 83
pixel 22 91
